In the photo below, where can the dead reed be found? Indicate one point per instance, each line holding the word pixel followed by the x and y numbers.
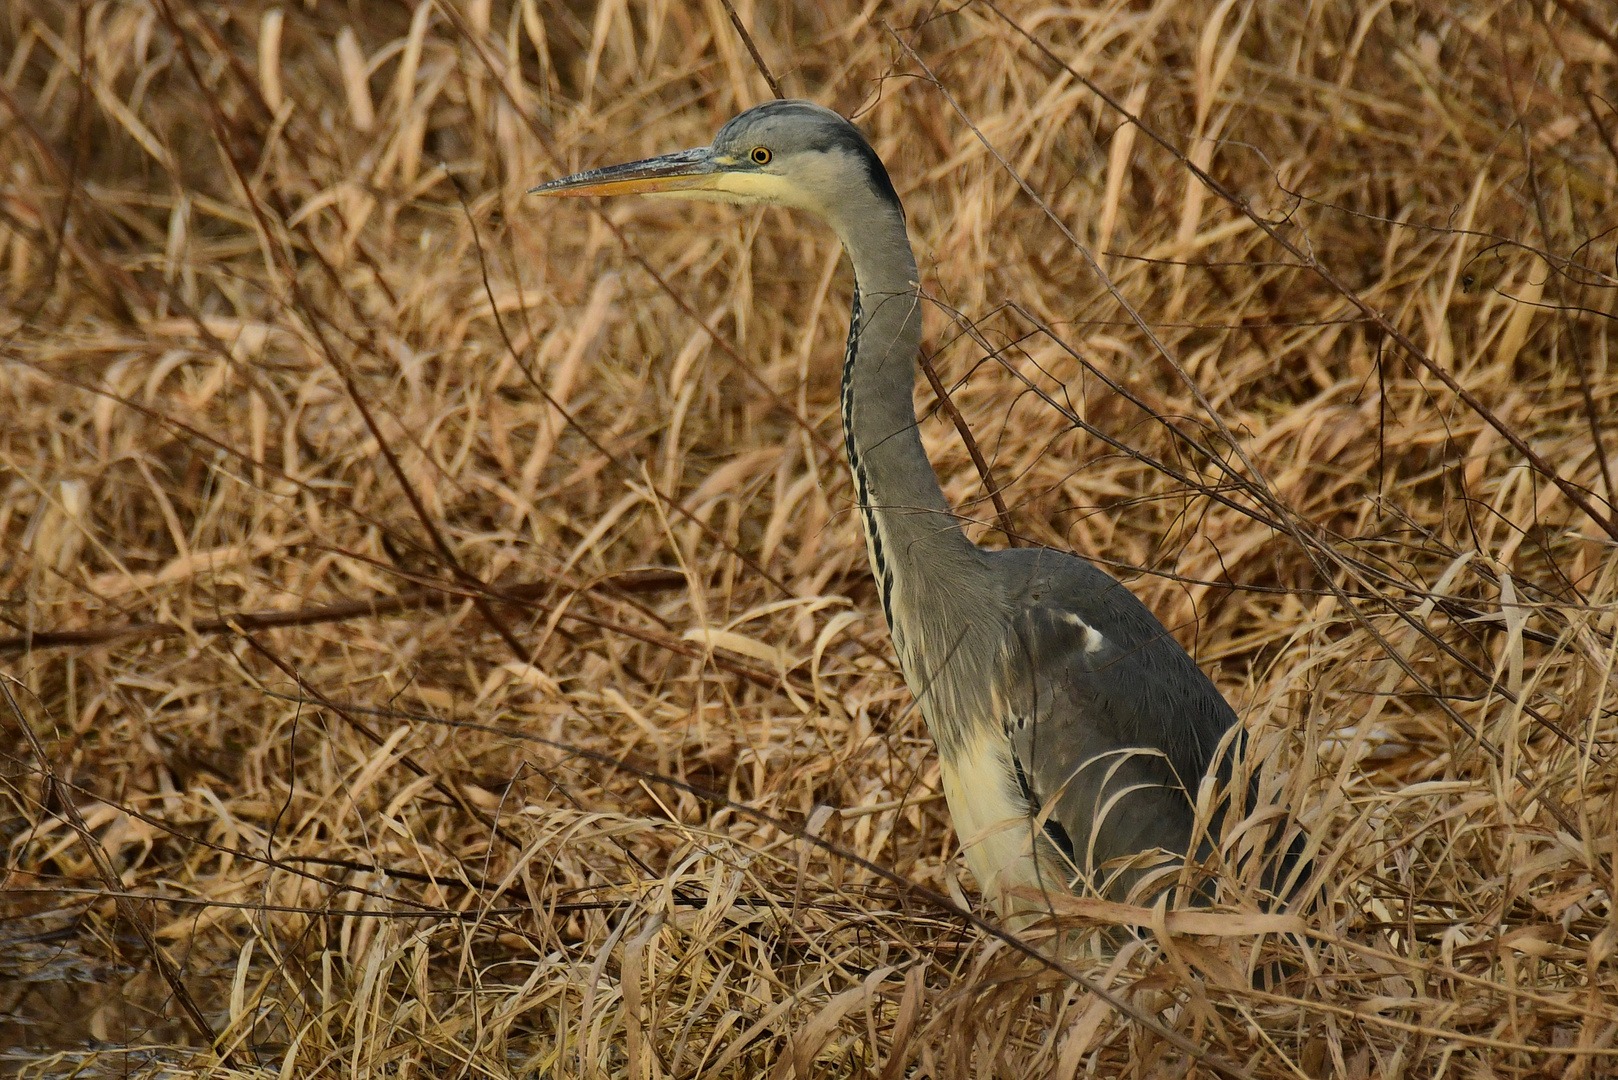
pixel 444 613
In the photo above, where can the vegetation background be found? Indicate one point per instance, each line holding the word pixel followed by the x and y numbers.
pixel 394 567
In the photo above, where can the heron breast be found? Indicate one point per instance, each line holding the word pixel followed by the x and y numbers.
pixel 991 820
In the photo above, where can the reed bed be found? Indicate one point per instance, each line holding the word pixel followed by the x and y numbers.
pixel 441 644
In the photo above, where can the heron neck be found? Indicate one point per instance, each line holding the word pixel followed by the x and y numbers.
pixel 913 534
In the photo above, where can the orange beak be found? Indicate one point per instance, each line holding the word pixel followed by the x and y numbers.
pixel 681 171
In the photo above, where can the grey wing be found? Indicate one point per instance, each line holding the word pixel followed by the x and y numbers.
pixel 1112 724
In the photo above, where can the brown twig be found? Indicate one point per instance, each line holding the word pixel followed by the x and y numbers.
pixel 946 403
pixel 1582 15
pixel 1574 495
pixel 114 886
pixel 529 596
pixel 375 607
pixel 302 306
pixel 752 49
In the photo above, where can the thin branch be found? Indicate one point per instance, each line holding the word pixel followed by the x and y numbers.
pixel 1581 15
pixel 989 482
pixel 747 39
pixel 114 886
pixel 373 607
pixel 1572 491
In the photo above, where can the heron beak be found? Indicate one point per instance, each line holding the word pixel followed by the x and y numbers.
pixel 686 170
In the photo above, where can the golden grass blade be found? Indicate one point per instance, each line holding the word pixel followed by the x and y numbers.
pixel 269 58
pixel 356 80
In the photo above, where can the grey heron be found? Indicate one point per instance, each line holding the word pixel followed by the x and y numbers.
pixel 1072 728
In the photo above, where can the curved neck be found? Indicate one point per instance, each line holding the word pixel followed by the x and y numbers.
pixel 908 522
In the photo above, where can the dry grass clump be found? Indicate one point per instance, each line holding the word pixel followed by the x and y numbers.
pixel 394 568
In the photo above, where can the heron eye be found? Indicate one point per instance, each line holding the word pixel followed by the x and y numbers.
pixel 761 155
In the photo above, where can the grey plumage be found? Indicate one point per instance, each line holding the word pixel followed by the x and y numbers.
pixel 1073 729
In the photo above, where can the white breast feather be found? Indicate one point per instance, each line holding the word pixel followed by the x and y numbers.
pixel 991 819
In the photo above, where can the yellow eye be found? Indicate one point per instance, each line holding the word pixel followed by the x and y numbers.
pixel 760 155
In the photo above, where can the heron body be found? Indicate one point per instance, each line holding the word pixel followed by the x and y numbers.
pixel 1072 728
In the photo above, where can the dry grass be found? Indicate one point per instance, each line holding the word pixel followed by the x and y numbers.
pixel 373 539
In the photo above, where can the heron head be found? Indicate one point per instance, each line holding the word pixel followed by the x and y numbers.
pixel 784 153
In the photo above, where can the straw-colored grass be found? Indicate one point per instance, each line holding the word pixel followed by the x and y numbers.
pixel 377 544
